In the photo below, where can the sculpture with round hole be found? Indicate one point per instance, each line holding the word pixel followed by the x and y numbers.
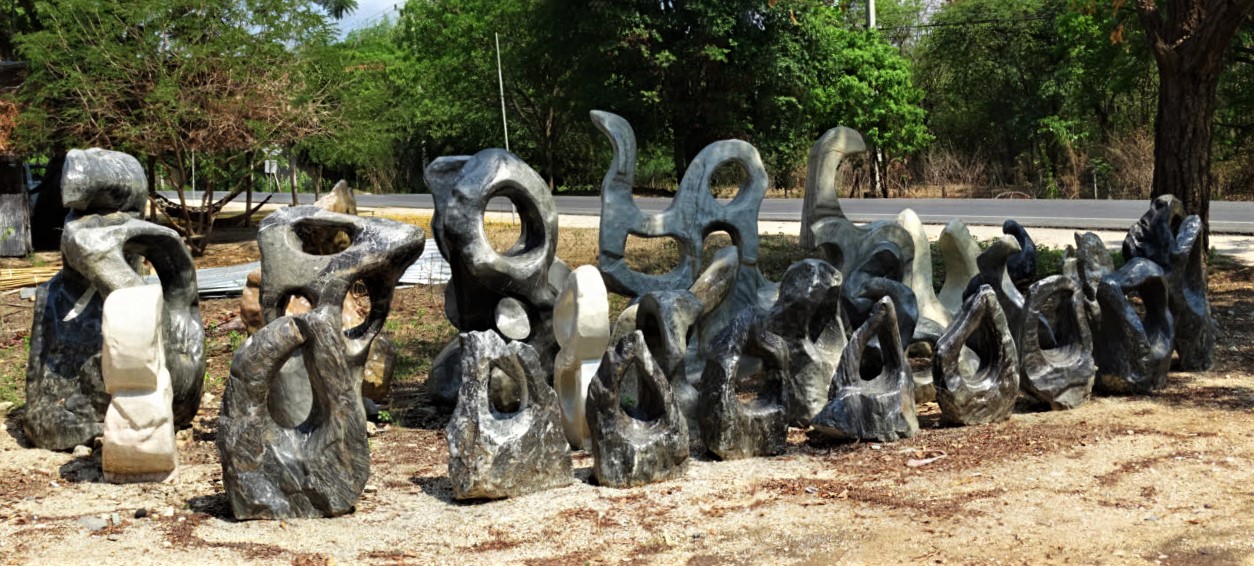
pixel 505 438
pixel 1135 349
pixel 1021 265
pixel 511 293
pixel 102 248
pixel 1173 241
pixel 692 215
pixel 984 393
pixel 733 428
pixel 1055 344
pixel 297 447
pixel 637 440
pixel 872 395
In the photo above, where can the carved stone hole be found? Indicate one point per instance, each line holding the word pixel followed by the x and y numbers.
pixel 983 389
pixel 1055 344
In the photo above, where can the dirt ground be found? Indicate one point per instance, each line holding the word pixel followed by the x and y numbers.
pixel 1165 478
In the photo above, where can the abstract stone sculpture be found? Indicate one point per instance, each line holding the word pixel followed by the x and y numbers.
pixel 807 317
pixel 933 318
pixel 139 424
pixel 581 326
pixel 872 394
pixel 511 293
pixel 693 214
pixel 822 198
pixel 959 251
pixel 1020 266
pixel 994 272
pixel 292 448
pixel 1134 352
pixel 1092 263
pixel 985 393
pixel 505 438
pixel 1056 359
pixel 1167 237
pixel 733 429
pixel 643 443
pixel 102 248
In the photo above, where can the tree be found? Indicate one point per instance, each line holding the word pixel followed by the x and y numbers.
pixel 193 84
pixel 1188 39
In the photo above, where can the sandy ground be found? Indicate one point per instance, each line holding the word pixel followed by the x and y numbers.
pixel 1160 479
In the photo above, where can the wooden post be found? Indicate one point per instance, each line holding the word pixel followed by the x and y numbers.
pixel 151 175
pixel 248 188
pixel 291 167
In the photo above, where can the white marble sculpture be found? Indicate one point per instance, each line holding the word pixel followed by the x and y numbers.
pixel 139 424
pixel 918 275
pixel 581 325
pixel 959 251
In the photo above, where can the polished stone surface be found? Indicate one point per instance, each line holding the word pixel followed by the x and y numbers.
pixel 959 250
pixel 1056 345
pixel 581 326
pixel 279 462
pixel 646 441
pixel 872 395
pixel 512 292
pixel 102 251
pixel 1133 352
pixel 1172 240
pixel 505 438
pixel 985 393
pixel 822 197
pixel 732 428
pixel 807 316
pixel 1021 265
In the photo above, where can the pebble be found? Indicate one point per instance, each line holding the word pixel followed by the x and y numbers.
pixel 5 407
pixel 115 518
pixel 93 523
pixel 168 512
pixel 81 451
pixel 141 513
pixel 371 429
pixel 371 488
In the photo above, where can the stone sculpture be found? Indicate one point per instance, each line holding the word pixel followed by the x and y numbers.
pixel 872 396
pixel 983 391
pixel 511 293
pixel 822 198
pixel 933 318
pixel 1135 351
pixel 505 438
pixel 643 443
pixel 731 428
pixel 581 326
pixel 1056 359
pixel 807 316
pixel 376 372
pixel 1021 265
pixel 292 448
pixel 139 424
pixel 959 250
pixel 693 214
pixel 1092 263
pixel 102 248
pixel 993 271
pixel 1172 240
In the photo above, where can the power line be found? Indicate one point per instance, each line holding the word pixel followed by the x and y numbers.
pixel 969 23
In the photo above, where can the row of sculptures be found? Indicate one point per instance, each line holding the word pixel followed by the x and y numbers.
pixel 711 349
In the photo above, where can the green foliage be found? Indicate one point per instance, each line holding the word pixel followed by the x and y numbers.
pixel 236 339
pixel 385 417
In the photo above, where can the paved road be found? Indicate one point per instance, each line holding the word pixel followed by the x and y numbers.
pixel 1226 217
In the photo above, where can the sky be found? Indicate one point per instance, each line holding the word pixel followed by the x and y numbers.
pixel 369 12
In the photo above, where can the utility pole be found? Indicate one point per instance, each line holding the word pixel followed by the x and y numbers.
pixel 870 14
pixel 500 78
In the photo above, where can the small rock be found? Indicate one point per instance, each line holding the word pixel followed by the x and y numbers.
pixel 141 513
pixel 113 537
pixel 1233 349
pixel 371 488
pixel 93 523
pixel 81 451
pixel 115 518
pixel 5 407
pixel 206 399
pixel 371 429
pixel 168 512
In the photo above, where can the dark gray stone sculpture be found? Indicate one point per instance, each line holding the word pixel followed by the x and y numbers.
pixel 807 316
pixel 1172 240
pixel 646 442
pixel 1056 348
pixel 994 272
pixel 985 393
pixel 872 396
pixel 876 277
pixel 693 214
pixel 733 429
pixel 278 462
pixel 103 246
pixel 667 319
pixel 1020 266
pixel 1092 263
pixel 1134 352
pixel 507 440
pixel 490 290
pixel 822 198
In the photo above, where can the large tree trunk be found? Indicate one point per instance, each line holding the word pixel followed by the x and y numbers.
pixel 1188 39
